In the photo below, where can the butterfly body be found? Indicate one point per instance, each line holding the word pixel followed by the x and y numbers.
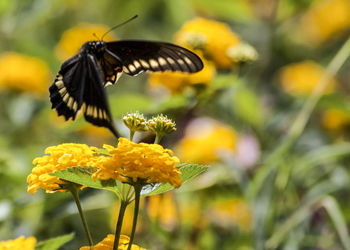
pixel 79 85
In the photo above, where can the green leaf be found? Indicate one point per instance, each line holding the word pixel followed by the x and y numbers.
pixel 54 243
pixel 189 171
pixel 82 176
pixel 332 207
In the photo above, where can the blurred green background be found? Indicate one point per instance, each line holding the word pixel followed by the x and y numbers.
pixel 234 119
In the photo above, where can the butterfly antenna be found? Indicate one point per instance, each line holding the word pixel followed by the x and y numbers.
pixel 94 34
pixel 117 26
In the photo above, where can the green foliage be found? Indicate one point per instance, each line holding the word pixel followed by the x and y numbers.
pixel 54 243
pixel 82 176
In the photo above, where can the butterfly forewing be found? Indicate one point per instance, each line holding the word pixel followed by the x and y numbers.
pixel 138 56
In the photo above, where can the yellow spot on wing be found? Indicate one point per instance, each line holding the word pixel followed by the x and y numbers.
pixel 132 68
pixel 144 64
pixel 162 61
pixel 153 63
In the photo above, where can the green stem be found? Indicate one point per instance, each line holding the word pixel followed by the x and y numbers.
pixel 132 133
pixel 74 191
pixel 118 229
pixel 158 138
pixel 136 212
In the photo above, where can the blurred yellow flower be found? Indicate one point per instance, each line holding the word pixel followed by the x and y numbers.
pixel 177 81
pixel 96 134
pixel 132 161
pixel 58 158
pixel 128 217
pixel 72 39
pixel 107 244
pixel 302 77
pixel 335 119
pixel 231 212
pixel 163 208
pixel 18 244
pixel 326 18
pixel 23 73
pixel 214 37
pixel 204 138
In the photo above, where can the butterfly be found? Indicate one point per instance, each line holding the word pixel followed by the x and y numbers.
pixel 80 83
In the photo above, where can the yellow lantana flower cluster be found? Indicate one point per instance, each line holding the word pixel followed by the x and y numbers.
pixel 302 77
pixel 73 38
pixel 58 158
pixel 23 73
pixel 18 244
pixel 204 139
pixel 107 244
pixel 215 44
pixel 325 18
pixel 216 38
pixel 131 162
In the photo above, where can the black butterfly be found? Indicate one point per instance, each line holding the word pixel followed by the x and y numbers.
pixel 81 80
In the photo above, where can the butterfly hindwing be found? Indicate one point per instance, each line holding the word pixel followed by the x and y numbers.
pixel 68 86
pixel 138 56
pixel 96 109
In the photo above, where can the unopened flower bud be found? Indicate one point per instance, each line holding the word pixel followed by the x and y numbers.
pixel 135 122
pixel 242 53
pixel 195 41
pixel 161 125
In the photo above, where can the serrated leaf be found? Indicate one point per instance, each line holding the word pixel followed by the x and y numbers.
pixel 82 176
pixel 54 243
pixel 189 171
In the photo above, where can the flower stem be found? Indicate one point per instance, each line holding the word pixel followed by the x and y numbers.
pixel 132 133
pixel 74 192
pixel 118 229
pixel 158 138
pixel 136 212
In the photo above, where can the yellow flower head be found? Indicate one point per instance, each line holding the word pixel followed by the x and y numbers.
pixel 18 244
pixel 72 39
pixel 335 119
pixel 325 18
pixel 58 158
pixel 24 73
pixel 177 81
pixel 132 161
pixel 215 38
pixel 203 139
pixel 301 78
pixel 107 244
